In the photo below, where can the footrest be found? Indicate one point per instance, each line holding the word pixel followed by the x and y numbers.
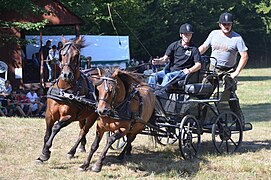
pixel 247 127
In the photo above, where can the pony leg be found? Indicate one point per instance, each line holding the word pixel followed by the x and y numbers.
pixel 85 125
pixel 88 124
pixel 45 155
pixel 93 148
pixel 137 128
pixel 81 139
pixel 110 140
pixel 128 148
pixel 47 135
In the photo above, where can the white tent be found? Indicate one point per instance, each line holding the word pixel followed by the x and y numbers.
pixel 103 50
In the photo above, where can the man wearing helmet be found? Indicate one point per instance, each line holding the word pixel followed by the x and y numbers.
pixel 226 44
pixel 183 58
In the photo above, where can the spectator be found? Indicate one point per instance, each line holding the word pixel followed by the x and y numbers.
pixel 6 91
pixel 43 53
pixel 23 101
pixel 142 67
pixel 3 110
pixel 36 105
pixel 59 47
pixel 148 70
pixel 52 62
pixel 35 60
pixel 13 106
pixel 44 50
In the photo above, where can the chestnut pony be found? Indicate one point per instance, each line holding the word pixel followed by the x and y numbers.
pixel 63 105
pixel 125 105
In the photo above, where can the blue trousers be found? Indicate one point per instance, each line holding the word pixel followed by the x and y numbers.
pixel 163 78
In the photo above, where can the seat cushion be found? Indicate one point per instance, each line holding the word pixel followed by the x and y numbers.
pixel 199 89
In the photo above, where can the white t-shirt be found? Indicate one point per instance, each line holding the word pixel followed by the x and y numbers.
pixel 225 48
pixel 32 97
pixel 53 54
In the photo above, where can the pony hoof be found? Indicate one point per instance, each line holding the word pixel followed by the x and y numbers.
pixel 82 150
pixel 70 156
pixel 83 167
pixel 44 157
pixel 96 168
pixel 38 161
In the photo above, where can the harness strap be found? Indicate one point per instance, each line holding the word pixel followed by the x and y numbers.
pixel 62 96
pixel 123 109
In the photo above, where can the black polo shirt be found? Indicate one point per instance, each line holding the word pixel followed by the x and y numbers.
pixel 180 57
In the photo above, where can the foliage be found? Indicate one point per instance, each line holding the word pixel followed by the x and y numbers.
pixel 153 24
pixel 21 7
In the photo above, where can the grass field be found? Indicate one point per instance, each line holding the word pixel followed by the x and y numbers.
pixel 21 140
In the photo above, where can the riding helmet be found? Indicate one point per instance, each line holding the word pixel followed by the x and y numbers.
pixel 186 28
pixel 226 18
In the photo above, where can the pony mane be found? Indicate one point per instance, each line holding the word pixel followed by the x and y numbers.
pixel 79 42
pixel 129 78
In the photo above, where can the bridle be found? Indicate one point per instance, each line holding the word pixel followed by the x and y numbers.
pixel 64 52
pixel 113 82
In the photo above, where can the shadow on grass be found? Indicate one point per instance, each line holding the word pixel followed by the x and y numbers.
pixel 257 112
pixel 166 162
pixel 254 78
pixel 207 147
pixel 255 146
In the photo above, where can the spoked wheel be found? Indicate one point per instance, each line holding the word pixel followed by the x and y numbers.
pixel 166 139
pixel 227 132
pixel 119 143
pixel 189 137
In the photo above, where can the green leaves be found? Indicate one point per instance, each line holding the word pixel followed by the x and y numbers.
pixel 153 23
pixel 24 26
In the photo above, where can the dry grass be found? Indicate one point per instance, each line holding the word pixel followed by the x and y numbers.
pixel 22 139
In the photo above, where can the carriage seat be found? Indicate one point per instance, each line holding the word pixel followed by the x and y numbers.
pixel 192 85
pixel 199 89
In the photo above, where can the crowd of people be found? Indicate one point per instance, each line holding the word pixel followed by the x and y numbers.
pixel 51 59
pixel 22 103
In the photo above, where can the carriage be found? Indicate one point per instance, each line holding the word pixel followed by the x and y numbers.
pixel 192 106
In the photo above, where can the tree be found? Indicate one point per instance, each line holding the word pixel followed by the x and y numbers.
pixel 22 7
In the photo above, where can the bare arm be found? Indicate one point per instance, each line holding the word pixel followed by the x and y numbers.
pixel 202 49
pixel 160 61
pixel 241 64
pixel 194 68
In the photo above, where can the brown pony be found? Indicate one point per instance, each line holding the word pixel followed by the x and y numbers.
pixel 125 105
pixel 64 99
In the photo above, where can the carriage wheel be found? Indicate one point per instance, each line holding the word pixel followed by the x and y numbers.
pixel 164 139
pixel 189 137
pixel 227 132
pixel 119 143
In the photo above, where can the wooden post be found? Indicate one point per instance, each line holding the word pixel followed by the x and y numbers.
pixel 77 30
pixel 42 83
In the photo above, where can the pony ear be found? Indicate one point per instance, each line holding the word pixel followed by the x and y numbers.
pixel 99 72
pixel 63 40
pixel 116 72
pixel 78 40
